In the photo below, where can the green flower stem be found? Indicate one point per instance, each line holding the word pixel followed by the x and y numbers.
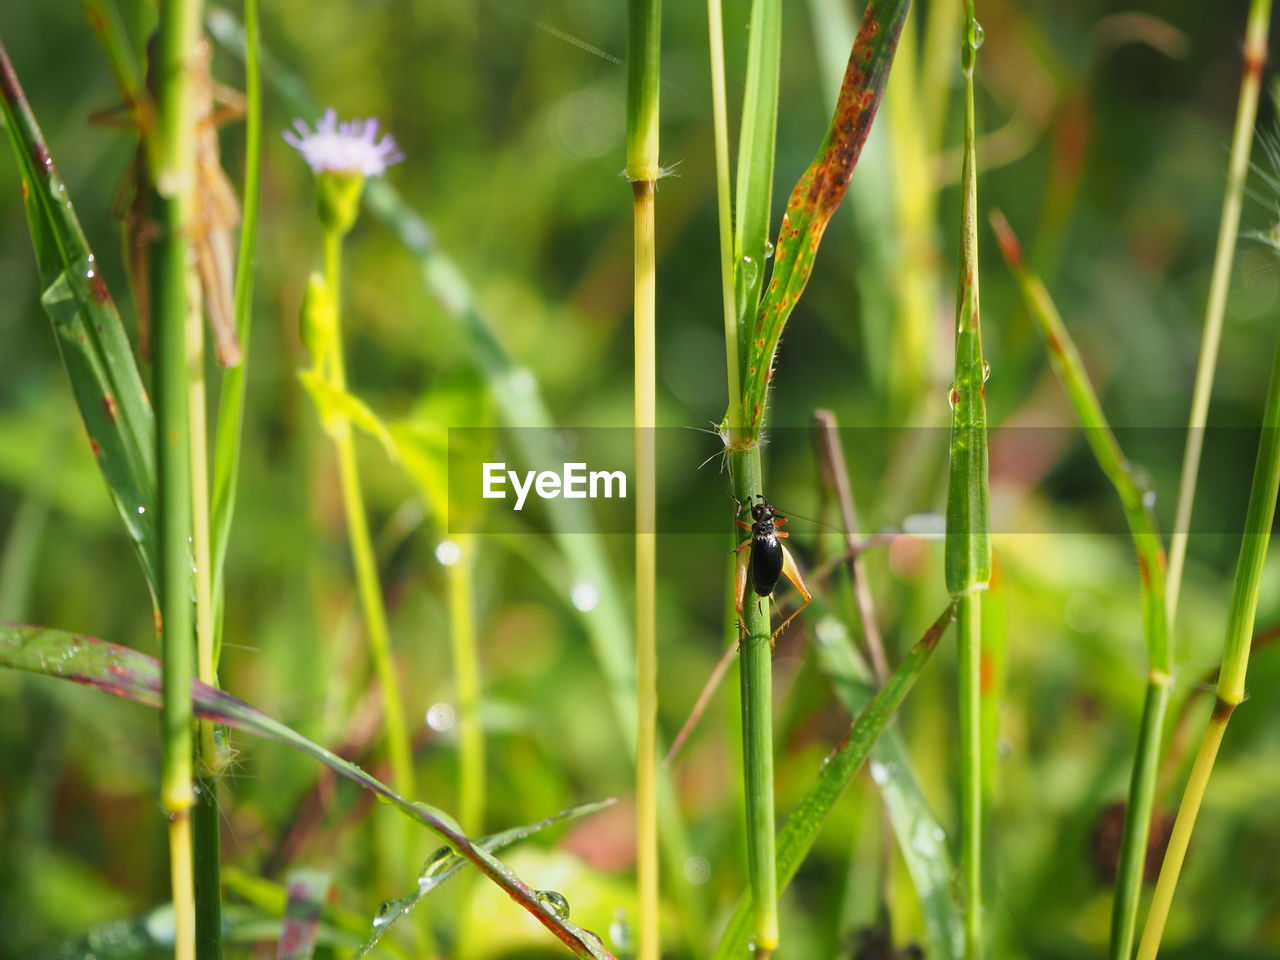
pixel 756 673
pixel 1149 548
pixel 173 172
pixel 362 554
pixel 1235 659
pixel 471 753
pixel 643 170
pixel 968 542
pixel 1255 58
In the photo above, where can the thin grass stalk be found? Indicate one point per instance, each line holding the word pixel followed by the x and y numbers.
pixel 1255 58
pixel 466 667
pixel 362 553
pixel 643 58
pixel 1235 659
pixel 755 654
pixel 1149 548
pixel 173 155
pixel 757 136
pixel 231 404
pixel 968 542
pixel 801 830
pixel 207 844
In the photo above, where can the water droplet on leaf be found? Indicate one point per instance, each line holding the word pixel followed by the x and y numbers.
pixel 386 912
pixel 435 869
pixel 768 249
pixel 555 903
pixel 986 372
pixel 976 34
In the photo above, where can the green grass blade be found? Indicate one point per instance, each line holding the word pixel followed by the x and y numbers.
pixel 307 892
pixel 104 20
pixel 226 453
pixel 444 863
pixel 1136 500
pixel 814 200
pixel 90 336
pixel 757 135
pixel 801 830
pixel 967 550
pixel 921 838
pixel 126 673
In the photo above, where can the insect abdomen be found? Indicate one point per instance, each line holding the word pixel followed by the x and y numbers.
pixel 766 564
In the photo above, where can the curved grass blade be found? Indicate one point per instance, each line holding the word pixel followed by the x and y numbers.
pixel 1137 500
pixel 818 193
pixel 131 675
pixel 91 339
pixel 1259 521
pixel 801 830
pixel 920 836
pixel 444 863
pixel 307 890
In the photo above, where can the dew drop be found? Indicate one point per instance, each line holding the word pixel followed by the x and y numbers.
pixel 448 553
pixel 953 397
pixel 554 903
pixel 385 912
pixel 585 596
pixel 986 372
pixel 697 870
pixel 768 249
pixel 976 34
pixel 141 510
pixel 620 932
pixel 441 717
pixel 435 869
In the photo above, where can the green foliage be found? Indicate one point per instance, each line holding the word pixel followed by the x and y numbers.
pixel 125 673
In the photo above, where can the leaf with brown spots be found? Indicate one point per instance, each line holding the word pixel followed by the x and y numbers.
pixel 90 336
pixel 816 197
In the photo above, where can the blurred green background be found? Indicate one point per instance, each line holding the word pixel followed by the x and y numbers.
pixel 1105 143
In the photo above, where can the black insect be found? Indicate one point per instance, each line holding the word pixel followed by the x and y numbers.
pixel 765 559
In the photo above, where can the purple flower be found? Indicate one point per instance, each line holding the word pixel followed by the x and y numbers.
pixel 349 147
